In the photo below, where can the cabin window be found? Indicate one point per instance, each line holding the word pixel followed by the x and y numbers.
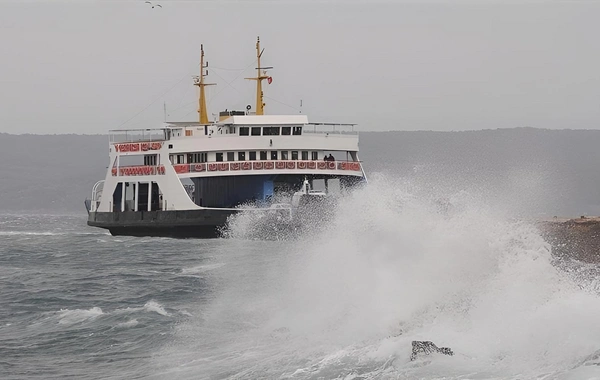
pixel 297 131
pixel 305 155
pixel 273 155
pixel 150 159
pixel 180 159
pixel 270 131
pixel 252 156
pixel 255 131
pixel 241 156
pixel 315 156
pixel 263 155
pixel 244 131
pixel 286 131
pixel 230 156
pixel 219 157
pixel 194 158
pixel 294 154
pixel 284 154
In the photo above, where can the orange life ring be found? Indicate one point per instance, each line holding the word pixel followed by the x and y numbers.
pixel 212 167
pixel 223 167
pixel 311 164
pixel 234 166
pixel 301 165
pixel 331 165
pixel 290 165
pixel 280 165
pixel 322 165
pixel 257 165
pixel 269 165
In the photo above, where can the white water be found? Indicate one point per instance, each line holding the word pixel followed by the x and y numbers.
pixel 347 301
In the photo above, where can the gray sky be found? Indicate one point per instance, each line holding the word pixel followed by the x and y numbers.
pixel 89 66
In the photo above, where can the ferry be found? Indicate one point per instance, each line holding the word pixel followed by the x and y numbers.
pixel 185 179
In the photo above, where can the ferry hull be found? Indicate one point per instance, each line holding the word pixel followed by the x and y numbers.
pixel 175 224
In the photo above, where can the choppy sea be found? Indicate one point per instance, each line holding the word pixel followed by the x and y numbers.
pixel 343 301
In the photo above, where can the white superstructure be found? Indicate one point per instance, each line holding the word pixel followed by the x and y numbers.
pixel 244 158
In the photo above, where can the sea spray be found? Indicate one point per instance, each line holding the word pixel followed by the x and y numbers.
pixel 393 266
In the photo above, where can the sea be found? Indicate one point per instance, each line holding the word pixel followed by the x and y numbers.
pixel 343 300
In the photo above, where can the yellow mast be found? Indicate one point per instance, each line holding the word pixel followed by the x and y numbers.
pixel 199 81
pixel 260 105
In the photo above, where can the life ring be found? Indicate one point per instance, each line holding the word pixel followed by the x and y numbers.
pixel 223 167
pixel 257 165
pixel 331 165
pixel 234 166
pixel 322 165
pixel 199 167
pixel 269 165
pixel 356 166
pixel 311 165
pixel 113 171
pixel 301 165
pixel 290 165
pixel 212 167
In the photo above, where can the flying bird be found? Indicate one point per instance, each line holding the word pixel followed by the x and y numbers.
pixel 157 5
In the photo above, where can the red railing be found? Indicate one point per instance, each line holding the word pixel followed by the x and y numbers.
pixel 239 166
pixel 266 165
pixel 138 170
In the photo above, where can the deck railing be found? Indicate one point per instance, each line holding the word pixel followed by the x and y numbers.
pixel 237 166
pixel 240 166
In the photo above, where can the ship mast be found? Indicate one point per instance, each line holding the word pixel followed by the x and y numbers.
pixel 260 105
pixel 199 81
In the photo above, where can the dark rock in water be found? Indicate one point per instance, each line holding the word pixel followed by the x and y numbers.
pixel 426 347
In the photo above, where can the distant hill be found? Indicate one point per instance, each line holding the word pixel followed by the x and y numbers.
pixel 532 171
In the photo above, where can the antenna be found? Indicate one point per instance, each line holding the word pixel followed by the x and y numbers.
pixel 199 81
pixel 165 110
pixel 260 105
pixel 300 105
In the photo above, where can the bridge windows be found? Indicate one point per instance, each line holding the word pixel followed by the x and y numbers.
pixel 284 154
pixel 241 156
pixel 273 155
pixel 219 157
pixel 271 131
pixel 294 154
pixel 263 155
pixel 252 156
pixel 267 131
pixel 315 156
pixel 230 156
pixel 305 155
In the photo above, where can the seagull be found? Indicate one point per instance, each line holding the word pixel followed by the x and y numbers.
pixel 157 5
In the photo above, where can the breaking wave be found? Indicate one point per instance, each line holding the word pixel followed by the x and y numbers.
pixel 396 264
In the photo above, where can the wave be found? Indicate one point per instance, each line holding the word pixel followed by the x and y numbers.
pixel 393 266
pixel 70 317
pixel 201 269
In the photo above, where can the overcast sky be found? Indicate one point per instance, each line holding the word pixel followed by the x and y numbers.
pixel 90 66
